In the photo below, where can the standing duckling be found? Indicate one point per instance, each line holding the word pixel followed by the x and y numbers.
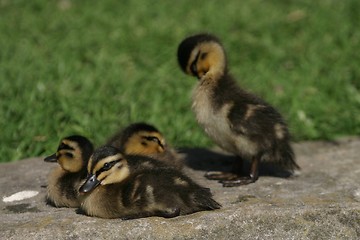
pixel 118 188
pixel 236 120
pixel 145 139
pixel 64 181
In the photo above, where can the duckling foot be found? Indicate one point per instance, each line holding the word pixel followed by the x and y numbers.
pixel 222 176
pixel 238 182
pixel 168 213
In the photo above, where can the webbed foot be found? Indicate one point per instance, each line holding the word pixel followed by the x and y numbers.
pixel 238 182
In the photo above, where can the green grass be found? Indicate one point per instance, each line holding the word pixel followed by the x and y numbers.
pixel 92 67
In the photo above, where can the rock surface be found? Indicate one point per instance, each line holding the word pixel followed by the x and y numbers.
pixel 322 202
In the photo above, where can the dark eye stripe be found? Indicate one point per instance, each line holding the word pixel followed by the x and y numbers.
pixel 68 154
pixel 155 139
pixel 193 67
pixel 64 146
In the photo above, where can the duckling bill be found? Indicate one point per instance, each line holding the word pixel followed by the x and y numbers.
pixel 238 121
pixel 64 181
pixel 118 188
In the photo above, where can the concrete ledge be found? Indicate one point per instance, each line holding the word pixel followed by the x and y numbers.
pixel 323 202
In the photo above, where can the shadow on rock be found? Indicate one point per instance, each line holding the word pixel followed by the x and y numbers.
pixel 21 208
pixel 208 160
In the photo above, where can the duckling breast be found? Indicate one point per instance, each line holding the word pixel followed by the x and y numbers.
pixel 103 202
pixel 215 123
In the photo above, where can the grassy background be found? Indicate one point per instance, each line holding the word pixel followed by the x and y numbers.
pixel 92 67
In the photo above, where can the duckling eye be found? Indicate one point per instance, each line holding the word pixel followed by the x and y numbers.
pixel 109 165
pixel 203 55
pixel 106 166
pixel 70 155
pixel 154 139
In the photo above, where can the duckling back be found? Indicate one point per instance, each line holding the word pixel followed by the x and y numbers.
pixel 168 193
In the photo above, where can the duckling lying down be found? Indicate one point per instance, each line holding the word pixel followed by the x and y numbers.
pixel 64 181
pixel 128 187
pixel 144 139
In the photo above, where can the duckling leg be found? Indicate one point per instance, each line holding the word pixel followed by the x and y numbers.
pixel 254 175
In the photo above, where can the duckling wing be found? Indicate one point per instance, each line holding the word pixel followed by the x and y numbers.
pixel 253 119
pixel 264 126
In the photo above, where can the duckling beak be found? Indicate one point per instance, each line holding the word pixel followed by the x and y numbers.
pixel 90 184
pixel 51 158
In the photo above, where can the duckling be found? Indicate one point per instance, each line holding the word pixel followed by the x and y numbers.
pixel 119 187
pixel 64 181
pixel 145 139
pixel 236 120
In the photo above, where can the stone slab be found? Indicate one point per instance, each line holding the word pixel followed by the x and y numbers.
pixel 322 202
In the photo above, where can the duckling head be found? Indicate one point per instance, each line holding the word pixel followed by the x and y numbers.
pixel 202 54
pixel 106 166
pixel 73 153
pixel 143 139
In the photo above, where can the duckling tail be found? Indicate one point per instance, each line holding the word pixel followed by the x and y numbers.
pixel 204 200
pixel 286 157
